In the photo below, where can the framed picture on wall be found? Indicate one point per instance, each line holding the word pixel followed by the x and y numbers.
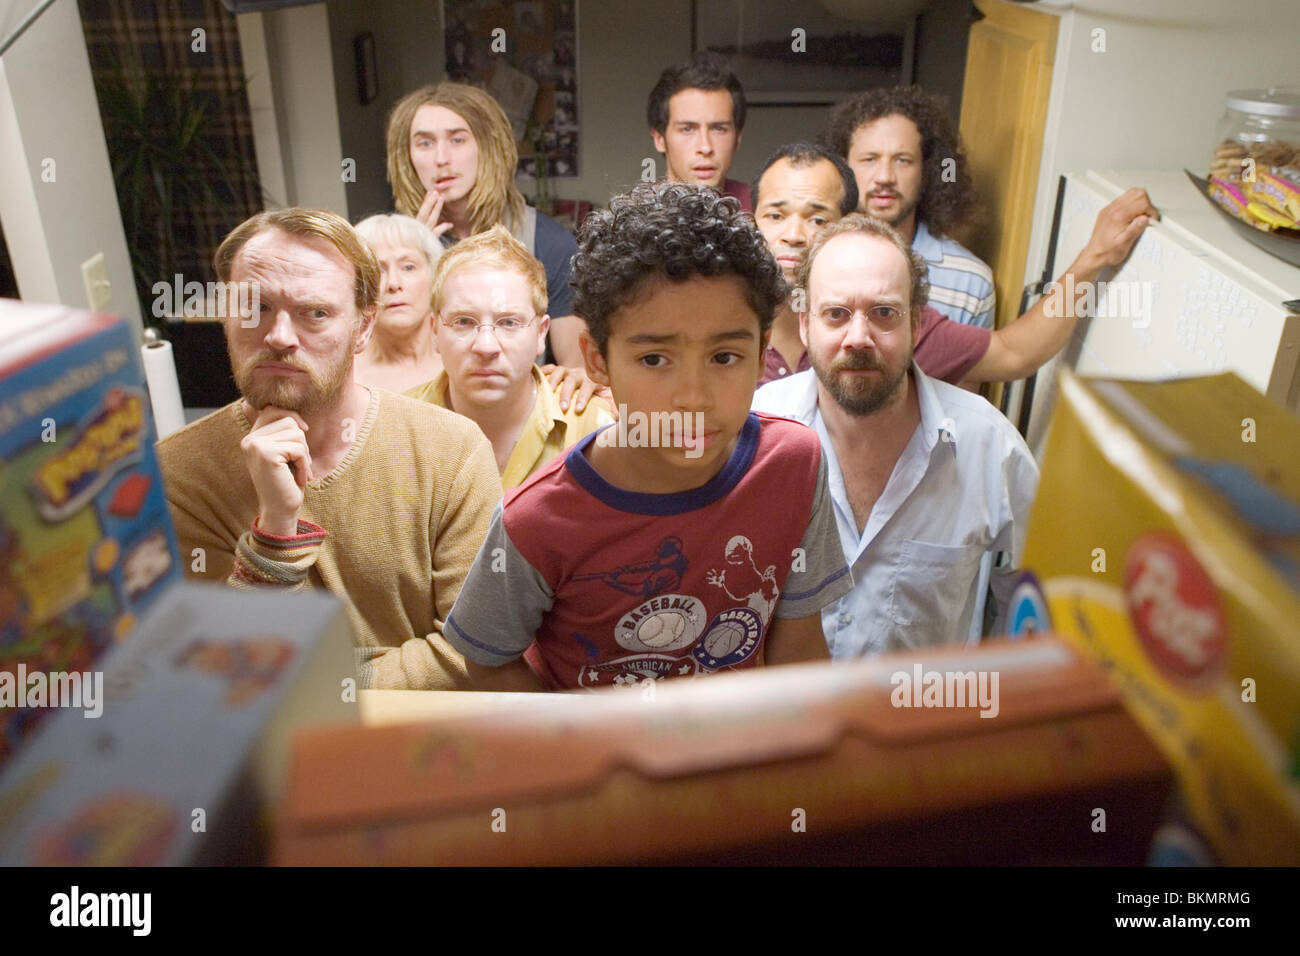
pixel 808 52
pixel 525 53
pixel 363 51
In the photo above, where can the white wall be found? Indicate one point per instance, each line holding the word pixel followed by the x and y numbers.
pixel 408 54
pixel 622 48
pixel 288 58
pixel 48 110
pixel 1153 98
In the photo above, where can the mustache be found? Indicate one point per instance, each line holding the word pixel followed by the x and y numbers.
pixel 858 362
pixel 277 357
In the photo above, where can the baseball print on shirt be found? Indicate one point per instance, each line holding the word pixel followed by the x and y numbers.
pixel 598 586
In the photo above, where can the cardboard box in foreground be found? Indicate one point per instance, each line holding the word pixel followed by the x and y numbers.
pixel 1166 536
pixel 814 763
pixel 188 754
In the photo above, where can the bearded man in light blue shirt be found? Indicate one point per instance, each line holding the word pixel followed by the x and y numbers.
pixel 926 477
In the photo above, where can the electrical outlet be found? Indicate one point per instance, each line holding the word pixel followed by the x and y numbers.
pixel 99 291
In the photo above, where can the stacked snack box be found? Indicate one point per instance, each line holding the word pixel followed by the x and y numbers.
pixel 1166 535
pixel 178 752
pixel 86 545
pixel 1269 200
pixel 1005 753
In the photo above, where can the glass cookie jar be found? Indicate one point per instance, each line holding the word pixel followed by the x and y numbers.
pixel 1260 129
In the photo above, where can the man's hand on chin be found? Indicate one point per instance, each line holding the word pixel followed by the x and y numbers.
pixel 279 463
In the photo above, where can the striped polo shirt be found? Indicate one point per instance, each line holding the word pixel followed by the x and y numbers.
pixel 961 285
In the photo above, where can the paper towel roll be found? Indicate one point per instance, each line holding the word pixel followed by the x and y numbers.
pixel 164 390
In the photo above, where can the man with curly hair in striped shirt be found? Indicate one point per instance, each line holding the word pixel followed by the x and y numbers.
pixel 912 173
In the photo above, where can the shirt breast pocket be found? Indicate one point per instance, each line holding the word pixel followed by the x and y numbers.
pixel 927 596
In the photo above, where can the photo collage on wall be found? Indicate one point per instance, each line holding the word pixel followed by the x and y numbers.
pixel 832 57
pixel 535 77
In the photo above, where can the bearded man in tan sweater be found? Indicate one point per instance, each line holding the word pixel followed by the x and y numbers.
pixel 312 480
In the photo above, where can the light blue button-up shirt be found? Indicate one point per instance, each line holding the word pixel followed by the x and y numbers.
pixel 962 488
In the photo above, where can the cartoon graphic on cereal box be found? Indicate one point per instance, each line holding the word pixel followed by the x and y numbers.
pixel 118 830
pixel 250 665
pixel 86 544
pixel 15 606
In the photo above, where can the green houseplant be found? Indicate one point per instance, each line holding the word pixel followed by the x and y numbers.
pixel 157 127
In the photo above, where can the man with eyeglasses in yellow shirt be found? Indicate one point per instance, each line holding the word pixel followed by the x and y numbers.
pixel 489 304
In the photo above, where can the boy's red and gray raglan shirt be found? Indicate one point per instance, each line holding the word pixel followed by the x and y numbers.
pixel 602 586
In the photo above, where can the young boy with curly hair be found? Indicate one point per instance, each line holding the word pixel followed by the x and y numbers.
pixel 693 537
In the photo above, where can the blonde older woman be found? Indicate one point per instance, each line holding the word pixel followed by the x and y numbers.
pixel 401 353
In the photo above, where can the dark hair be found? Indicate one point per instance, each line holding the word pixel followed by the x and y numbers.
pixel 670 231
pixel 706 71
pixel 806 154
pixel 944 207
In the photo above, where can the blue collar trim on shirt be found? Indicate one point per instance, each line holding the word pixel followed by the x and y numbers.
pixel 680 502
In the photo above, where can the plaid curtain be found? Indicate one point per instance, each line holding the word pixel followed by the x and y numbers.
pixel 178 73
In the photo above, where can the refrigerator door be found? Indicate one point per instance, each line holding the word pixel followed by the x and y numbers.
pixel 1193 298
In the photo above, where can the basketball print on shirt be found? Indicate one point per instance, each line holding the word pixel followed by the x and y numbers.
pixel 734 634
pixel 732 637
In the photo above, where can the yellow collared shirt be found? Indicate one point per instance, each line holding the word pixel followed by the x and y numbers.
pixel 548 431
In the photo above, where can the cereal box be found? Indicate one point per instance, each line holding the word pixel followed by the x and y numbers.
pixel 1001 753
pixel 178 749
pixel 86 545
pixel 1166 535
